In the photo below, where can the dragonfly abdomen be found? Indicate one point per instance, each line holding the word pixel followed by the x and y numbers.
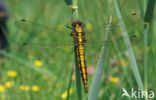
pixel 82 65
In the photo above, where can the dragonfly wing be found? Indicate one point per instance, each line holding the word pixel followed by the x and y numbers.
pixel 29 27
pixel 114 41
pixel 115 47
pixel 54 37
pixel 130 21
pixel 46 50
pixel 46 45
pixel 97 37
pixel 41 32
pixel 59 39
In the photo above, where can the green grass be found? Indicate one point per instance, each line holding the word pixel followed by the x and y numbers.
pixel 95 87
pixel 147 22
pixel 55 75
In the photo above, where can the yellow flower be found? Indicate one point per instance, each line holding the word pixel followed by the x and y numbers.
pixel 89 27
pixel 2 89
pixel 60 28
pixel 114 79
pixel 9 84
pixel 35 88
pixel 64 95
pixel 22 87
pixel 124 63
pixel 38 63
pixel 70 91
pixel 12 73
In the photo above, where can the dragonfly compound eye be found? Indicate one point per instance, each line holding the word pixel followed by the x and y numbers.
pixel 80 23
pixel 74 24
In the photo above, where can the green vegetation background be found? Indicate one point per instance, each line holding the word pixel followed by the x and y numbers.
pixel 53 77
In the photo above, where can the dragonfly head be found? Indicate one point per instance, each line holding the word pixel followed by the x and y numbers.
pixel 77 23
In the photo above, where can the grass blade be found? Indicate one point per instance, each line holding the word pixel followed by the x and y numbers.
pixel 146 28
pixel 147 21
pixel 70 82
pixel 99 70
pixel 68 2
pixel 75 10
pixel 78 77
pixel 129 48
pixel 149 11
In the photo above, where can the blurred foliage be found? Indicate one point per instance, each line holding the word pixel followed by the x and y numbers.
pixel 58 61
pixel 149 11
pixel 68 2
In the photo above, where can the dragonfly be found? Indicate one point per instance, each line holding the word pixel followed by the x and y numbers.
pixel 78 38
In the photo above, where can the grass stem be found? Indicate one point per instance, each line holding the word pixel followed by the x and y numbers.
pixel 129 48
pixel 95 86
pixel 70 82
pixel 78 77
pixel 146 27
pixel 75 10
pixel 147 21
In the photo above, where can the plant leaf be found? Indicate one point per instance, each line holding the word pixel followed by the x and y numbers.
pixel 68 2
pixel 95 86
pixel 129 48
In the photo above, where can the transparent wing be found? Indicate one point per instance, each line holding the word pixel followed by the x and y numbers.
pixel 36 33
pixel 98 32
pixel 59 36
pixel 90 45
pixel 29 27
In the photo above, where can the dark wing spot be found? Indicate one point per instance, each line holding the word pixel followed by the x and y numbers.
pixel 25 43
pixel 134 14
pixel 134 36
pixel 23 20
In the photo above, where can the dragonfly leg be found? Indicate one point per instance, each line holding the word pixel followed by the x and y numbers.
pixel 83 25
pixel 85 31
pixel 68 26
pixel 71 34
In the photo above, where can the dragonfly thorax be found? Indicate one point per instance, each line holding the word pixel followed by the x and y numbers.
pixel 78 32
pixel 77 26
pixel 78 29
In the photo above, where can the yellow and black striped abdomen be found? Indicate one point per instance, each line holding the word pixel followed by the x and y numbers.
pixel 81 58
pixel 82 65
